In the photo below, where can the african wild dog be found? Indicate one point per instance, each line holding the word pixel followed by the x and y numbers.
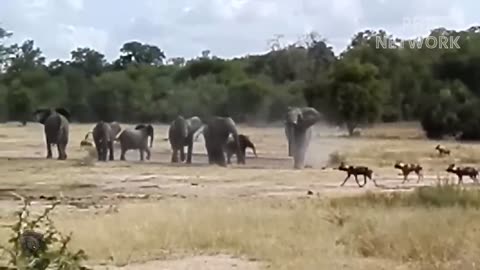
pixel 355 171
pixel 407 168
pixel 463 171
pixel 442 150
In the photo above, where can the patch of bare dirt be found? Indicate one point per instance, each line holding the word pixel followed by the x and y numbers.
pixel 218 262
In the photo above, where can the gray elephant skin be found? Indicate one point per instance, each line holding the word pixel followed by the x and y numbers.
pixel 298 130
pixel 244 141
pixel 56 129
pixel 216 132
pixel 180 134
pixel 137 138
pixel 104 134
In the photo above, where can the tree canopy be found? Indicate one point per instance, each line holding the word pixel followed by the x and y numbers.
pixel 364 84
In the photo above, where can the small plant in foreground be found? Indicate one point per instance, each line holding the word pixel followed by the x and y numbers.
pixel 35 244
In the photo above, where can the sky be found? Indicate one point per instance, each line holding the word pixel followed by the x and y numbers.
pixel 228 28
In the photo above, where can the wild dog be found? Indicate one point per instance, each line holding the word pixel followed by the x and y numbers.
pixel 442 150
pixel 355 171
pixel 463 171
pixel 407 168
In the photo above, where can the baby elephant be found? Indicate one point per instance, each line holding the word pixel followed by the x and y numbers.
pixel 463 171
pixel 407 168
pixel 244 141
pixel 356 171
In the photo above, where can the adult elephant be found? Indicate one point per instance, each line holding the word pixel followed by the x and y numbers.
pixel 136 139
pixel 298 130
pixel 180 134
pixel 56 129
pixel 104 135
pixel 216 132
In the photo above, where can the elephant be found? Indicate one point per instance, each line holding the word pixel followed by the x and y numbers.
pixel 136 139
pixel 56 129
pixel 298 130
pixel 244 142
pixel 216 132
pixel 103 135
pixel 180 134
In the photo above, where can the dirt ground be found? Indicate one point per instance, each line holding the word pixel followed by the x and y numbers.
pixel 105 185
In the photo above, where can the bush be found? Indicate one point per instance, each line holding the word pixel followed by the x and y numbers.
pixel 36 244
pixel 441 195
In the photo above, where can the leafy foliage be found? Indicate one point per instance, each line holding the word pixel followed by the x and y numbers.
pixel 50 247
pixel 362 85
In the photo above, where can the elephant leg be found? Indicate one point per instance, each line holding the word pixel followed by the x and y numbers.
pixel 110 148
pixel 99 152
pixel 229 156
pixel 61 151
pixel 220 157
pixel 190 151
pixel 49 149
pixel 105 152
pixel 64 151
pixel 182 154
pixel 210 152
pixel 122 155
pixel 141 154
pixel 148 153
pixel 301 141
pixel 174 158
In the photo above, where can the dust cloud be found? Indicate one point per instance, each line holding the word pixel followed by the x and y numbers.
pixel 325 140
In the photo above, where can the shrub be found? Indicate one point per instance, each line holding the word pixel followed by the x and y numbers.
pixel 441 195
pixel 47 247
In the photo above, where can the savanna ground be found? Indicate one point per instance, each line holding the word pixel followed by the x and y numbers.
pixel 155 215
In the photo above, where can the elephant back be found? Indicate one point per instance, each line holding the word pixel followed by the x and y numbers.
pixel 53 126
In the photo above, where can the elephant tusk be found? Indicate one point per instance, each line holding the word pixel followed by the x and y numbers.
pixel 119 133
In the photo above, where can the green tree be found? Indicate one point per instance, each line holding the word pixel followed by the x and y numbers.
pixel 354 96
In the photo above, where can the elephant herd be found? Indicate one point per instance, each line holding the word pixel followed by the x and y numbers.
pixel 182 133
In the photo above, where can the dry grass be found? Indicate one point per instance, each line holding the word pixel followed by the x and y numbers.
pixel 228 210
pixel 296 234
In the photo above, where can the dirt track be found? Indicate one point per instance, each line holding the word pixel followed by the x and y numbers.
pixel 26 171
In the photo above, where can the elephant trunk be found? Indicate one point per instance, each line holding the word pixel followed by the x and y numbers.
pixel 254 151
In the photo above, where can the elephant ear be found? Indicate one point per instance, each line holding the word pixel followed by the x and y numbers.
pixel 140 126
pixel 41 115
pixel 194 124
pixel 63 112
pixel 309 116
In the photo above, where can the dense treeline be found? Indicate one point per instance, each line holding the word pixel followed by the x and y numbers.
pixel 364 84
